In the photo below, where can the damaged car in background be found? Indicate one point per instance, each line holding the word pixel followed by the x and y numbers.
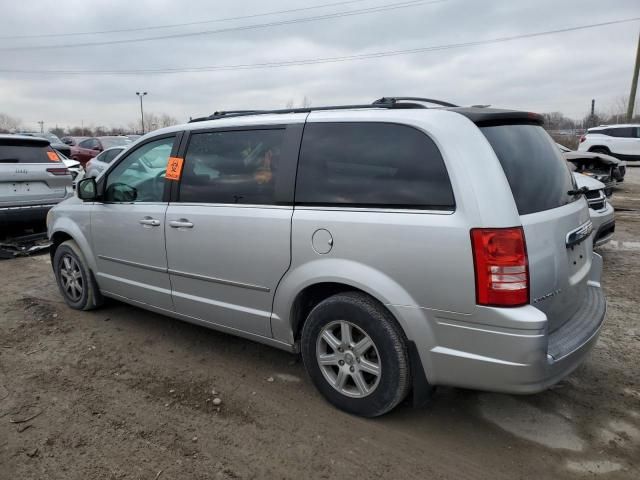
pixel 604 168
pixel 601 211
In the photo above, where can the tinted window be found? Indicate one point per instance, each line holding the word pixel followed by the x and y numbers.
pixel 140 176
pixel 538 175
pixel 89 143
pixel 109 155
pixel 371 164
pixel 16 151
pixel 232 167
pixel 625 132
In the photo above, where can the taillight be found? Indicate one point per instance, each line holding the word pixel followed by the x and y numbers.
pixel 582 138
pixel 501 266
pixel 59 171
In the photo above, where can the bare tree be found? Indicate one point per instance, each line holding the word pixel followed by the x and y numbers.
pixel 9 123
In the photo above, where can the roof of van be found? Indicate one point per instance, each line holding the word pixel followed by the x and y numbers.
pixel 481 115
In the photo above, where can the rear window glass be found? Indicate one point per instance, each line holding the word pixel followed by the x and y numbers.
pixel 25 153
pixel 537 173
pixel 371 164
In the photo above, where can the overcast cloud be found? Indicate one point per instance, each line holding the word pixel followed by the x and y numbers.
pixel 552 73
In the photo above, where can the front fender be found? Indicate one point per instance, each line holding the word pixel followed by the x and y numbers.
pixel 73 219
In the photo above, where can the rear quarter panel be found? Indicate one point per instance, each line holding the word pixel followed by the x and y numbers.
pixel 405 259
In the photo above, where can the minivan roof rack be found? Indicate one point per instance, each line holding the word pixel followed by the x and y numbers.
pixel 384 102
pixel 395 100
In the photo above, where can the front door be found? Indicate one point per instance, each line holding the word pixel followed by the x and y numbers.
pixel 228 233
pixel 127 227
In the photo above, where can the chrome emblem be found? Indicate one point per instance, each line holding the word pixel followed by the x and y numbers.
pixel 579 234
pixel 21 170
pixel 548 295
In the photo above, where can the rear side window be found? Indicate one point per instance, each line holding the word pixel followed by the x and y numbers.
pixel 232 167
pixel 623 132
pixel 537 173
pixel 12 151
pixel 371 165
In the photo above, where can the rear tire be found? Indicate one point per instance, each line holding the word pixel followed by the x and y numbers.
pixel 356 354
pixel 74 278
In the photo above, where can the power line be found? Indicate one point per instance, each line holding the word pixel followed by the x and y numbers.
pixel 362 11
pixel 187 24
pixel 316 61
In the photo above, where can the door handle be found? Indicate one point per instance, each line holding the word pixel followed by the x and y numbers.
pixel 182 223
pixel 150 221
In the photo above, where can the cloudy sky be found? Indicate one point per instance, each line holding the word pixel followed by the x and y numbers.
pixel 559 72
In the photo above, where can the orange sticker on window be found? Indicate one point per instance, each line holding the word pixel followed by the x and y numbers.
pixel 174 168
pixel 53 156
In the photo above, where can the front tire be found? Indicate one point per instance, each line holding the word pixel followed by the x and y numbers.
pixel 356 354
pixel 74 279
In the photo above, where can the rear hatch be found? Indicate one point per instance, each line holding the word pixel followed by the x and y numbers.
pixel 31 173
pixel 555 220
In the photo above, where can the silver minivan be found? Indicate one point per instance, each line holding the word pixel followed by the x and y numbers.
pixel 396 247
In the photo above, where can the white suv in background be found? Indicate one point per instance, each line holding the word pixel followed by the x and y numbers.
pixel 620 141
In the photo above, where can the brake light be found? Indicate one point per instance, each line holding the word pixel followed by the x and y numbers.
pixel 582 138
pixel 59 171
pixel 501 266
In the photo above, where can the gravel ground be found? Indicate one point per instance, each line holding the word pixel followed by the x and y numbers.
pixel 124 393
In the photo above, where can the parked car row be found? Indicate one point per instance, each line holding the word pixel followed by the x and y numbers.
pixel 89 148
pixel 396 247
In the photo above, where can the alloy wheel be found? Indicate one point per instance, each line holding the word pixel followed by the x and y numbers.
pixel 348 359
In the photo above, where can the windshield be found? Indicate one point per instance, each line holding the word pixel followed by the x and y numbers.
pixel 109 142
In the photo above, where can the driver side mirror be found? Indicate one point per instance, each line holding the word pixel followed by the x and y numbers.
pixel 87 189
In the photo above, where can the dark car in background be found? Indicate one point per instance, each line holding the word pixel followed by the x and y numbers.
pixel 88 148
pixel 72 141
pixel 54 141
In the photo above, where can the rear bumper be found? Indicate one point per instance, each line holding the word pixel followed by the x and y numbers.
pixel 25 214
pixel 516 360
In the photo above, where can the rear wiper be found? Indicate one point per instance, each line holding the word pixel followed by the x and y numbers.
pixel 580 191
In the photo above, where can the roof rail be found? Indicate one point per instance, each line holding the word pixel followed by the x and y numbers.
pixel 394 100
pixel 384 102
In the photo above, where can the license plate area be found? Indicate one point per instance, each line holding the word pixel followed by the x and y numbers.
pixel 577 257
pixel 16 188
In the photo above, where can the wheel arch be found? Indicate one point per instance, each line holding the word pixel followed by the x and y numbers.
pixel 600 147
pixel 64 230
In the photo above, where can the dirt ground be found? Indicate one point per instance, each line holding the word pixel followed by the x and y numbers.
pixel 121 393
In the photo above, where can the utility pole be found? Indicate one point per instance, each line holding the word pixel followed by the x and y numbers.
pixel 634 85
pixel 141 94
pixel 41 123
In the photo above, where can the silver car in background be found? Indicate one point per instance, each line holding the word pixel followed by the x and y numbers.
pixel 601 211
pixel 100 162
pixel 396 247
pixel 33 178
